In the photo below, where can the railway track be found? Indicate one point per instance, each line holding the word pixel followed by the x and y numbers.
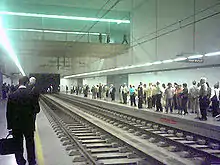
pixel 187 145
pixel 87 143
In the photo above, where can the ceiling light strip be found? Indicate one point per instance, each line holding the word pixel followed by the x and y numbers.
pixel 4 41
pixel 63 17
pixel 144 65
pixel 212 54
pixel 55 31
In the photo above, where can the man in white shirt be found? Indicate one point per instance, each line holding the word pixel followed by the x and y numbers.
pixel 169 93
pixel 125 93
pixel 194 95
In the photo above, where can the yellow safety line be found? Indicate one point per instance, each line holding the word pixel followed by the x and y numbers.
pixel 39 151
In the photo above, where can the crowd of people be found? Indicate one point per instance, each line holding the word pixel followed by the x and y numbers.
pixel 7 89
pixel 196 98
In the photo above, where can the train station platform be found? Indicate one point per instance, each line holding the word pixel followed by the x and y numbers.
pixel 49 150
pixel 209 128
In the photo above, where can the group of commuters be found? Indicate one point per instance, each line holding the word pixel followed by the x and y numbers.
pixel 125 40
pixel 197 98
pixel 7 89
pixel 22 108
pixel 98 91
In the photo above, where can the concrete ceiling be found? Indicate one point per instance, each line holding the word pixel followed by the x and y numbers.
pixel 123 5
pixel 56 48
pixel 68 49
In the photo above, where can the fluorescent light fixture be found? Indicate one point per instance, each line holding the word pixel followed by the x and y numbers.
pixel 63 17
pixel 180 59
pixel 167 61
pixel 55 31
pixel 4 41
pixel 212 54
pixel 196 56
pixel 146 64
pixel 157 62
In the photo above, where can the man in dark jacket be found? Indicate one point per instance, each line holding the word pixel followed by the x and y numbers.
pixel 20 119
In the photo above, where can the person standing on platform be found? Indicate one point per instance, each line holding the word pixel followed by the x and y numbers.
pixel 132 95
pixel 86 91
pixel 145 95
pixel 184 99
pixel 193 96
pixel 169 93
pixel 120 94
pixel 175 96
pixel 158 97
pixel 140 96
pixel 163 100
pixel 149 94
pixel 104 91
pixel 112 92
pixel 4 91
pixel 100 37
pixel 125 93
pixel 20 119
pixel 125 40
pixel 179 92
pixel 94 92
pixel 203 99
pixel 13 89
pixel 215 99
pixel 35 93
pixel 66 89
pixel 100 91
pixel 154 93
pixel 108 39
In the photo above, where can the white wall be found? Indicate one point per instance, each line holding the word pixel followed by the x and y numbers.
pixel 178 76
pixel 6 80
pixel 145 20
pixel 95 81
pixel 69 82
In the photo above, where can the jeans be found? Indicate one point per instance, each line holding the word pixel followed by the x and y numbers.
pixel 132 98
pixel 158 102
pixel 169 104
pixel 149 102
pixel 184 104
pixel 204 104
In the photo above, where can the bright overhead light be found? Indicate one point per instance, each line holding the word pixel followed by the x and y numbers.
pixel 195 56
pixel 157 62
pixel 212 54
pixel 146 64
pixel 4 41
pixel 180 59
pixel 55 31
pixel 64 17
pixel 167 61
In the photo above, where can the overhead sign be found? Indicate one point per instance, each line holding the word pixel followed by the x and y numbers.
pixel 195 60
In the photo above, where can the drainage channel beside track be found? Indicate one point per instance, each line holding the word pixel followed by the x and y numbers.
pixel 186 145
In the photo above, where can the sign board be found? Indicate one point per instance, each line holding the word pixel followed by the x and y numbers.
pixel 195 60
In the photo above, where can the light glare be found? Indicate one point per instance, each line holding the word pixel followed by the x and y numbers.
pixel 64 17
pixel 180 59
pixel 55 31
pixel 195 56
pixel 167 61
pixel 212 54
pixel 7 46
